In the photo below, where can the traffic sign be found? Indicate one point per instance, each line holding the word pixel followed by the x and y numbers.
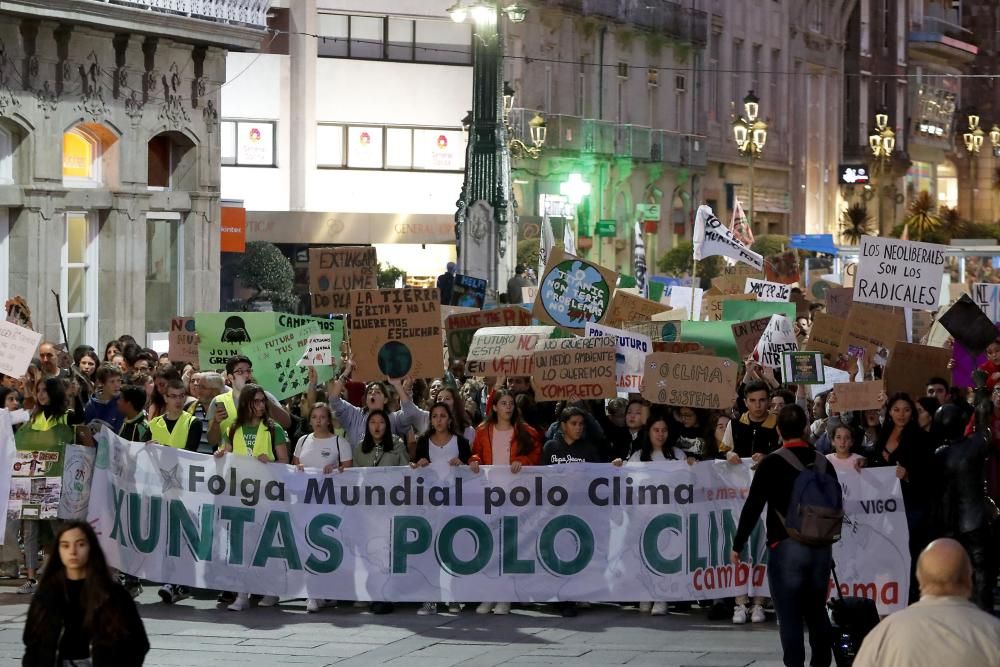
pixel 606 228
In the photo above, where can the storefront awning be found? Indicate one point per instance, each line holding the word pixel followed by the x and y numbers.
pixel 311 227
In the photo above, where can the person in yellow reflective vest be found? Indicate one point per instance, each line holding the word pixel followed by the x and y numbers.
pixel 175 427
pixel 254 433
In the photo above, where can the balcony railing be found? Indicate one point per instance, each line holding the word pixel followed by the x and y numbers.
pixel 668 17
pixel 251 13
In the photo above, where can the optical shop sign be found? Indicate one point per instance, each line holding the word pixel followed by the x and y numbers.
pixel 892 272
pixel 575 532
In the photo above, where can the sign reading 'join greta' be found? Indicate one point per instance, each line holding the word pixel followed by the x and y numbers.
pixel 899 273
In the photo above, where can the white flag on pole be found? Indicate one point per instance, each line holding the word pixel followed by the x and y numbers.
pixel 545 243
pixel 569 242
pixel 639 262
pixel 711 238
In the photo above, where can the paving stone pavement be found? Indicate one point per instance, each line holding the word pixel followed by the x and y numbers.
pixel 197 633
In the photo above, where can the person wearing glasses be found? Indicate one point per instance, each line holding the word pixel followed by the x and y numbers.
pixel 222 410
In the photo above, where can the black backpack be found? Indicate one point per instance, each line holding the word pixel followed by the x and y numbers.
pixel 816 506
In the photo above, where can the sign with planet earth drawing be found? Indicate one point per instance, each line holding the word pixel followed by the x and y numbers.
pixel 573 291
pixel 396 332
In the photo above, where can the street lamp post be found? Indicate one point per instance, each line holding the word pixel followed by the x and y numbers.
pixel 882 142
pixel 482 215
pixel 973 138
pixel 750 134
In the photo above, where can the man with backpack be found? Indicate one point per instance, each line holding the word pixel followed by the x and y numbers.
pixel 804 516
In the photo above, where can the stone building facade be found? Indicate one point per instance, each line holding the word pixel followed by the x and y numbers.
pixel 109 159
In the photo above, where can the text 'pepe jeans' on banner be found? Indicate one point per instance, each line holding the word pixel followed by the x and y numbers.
pixel 586 532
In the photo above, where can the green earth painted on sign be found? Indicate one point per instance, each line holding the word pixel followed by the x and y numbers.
pixel 574 293
pixel 395 359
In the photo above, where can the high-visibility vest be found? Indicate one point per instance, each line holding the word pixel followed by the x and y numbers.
pixel 226 399
pixel 42 423
pixel 176 438
pixel 262 444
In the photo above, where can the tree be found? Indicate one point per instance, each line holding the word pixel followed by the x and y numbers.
pixel 922 217
pixel 388 275
pixel 676 262
pixel 952 223
pixel 855 223
pixel 770 244
pixel 527 252
pixel 264 269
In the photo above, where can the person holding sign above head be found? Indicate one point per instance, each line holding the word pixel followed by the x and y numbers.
pixel 327 451
pixel 903 444
pixel 504 440
pixel 441 447
pixel 380 447
pixel 354 419
pixel 254 433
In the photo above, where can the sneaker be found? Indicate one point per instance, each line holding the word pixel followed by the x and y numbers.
pixel 241 603
pixel 739 614
pixel 502 608
pixel 757 614
pixel 27 588
pixel 130 584
pixel 170 593
pixel 645 607
pixel 225 597
pixel 268 601
pixel 659 609
pixel 314 604
pixel 484 608
pixel 428 609
pixel 454 607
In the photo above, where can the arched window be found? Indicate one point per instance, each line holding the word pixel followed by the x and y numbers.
pixel 6 157
pixel 81 161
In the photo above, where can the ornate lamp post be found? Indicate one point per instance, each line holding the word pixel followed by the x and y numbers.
pixel 882 142
pixel 482 212
pixel 750 135
pixel 973 138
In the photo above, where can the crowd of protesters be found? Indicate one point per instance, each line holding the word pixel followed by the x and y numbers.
pixel 458 420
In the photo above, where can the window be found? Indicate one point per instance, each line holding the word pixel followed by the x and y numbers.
pixel 715 87
pixel 438 150
pixel 398 148
pixel 392 38
pixel 6 157
pixel 330 146
pixel 581 89
pixel 4 254
pixel 81 158
pixel 79 285
pixel 163 274
pixel 756 56
pixel 866 38
pixel 734 78
pixel 774 79
pixel 158 162
pixel 364 147
pixel 248 143
pixel 885 26
pixel 548 89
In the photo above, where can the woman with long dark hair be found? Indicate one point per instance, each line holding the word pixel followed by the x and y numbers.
pixel 79 614
pixel 504 440
pixel 254 433
pixel 903 444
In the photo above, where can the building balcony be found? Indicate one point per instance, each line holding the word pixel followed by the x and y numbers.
pixel 940 37
pixel 251 13
pixel 665 17
pixel 572 134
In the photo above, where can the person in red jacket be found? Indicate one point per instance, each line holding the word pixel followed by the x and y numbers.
pixel 504 440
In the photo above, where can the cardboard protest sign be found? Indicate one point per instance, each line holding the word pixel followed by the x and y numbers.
pixel 318 351
pixel 848 274
pixel 894 272
pixel 627 307
pixel 630 354
pixel 276 361
pixel 17 348
pixel 712 304
pixel 741 311
pixel 778 338
pixel 677 297
pixel 969 325
pixel 573 291
pixel 223 335
pixel 839 300
pixel 568 369
pixel 802 368
pixel 831 376
pixel 37 471
pixel 768 291
pixel 468 292
pixel 730 284
pixel 825 335
pixel 853 396
pixel 747 335
pixel 460 328
pixel 335 272
pixel 183 340
pixel 911 365
pixel 668 331
pixel 672 315
pixel 872 330
pixel 78 474
pixel 680 347
pixel 716 336
pixel 504 351
pixel 689 380
pixel 782 268
pixel 396 332
pixel 528 294
pixel 987 297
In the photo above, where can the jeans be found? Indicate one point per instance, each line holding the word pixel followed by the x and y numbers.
pixel 799 577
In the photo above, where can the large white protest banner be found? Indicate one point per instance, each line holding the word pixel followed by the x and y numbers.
pixel 712 238
pixel 987 297
pixel 649 531
pixel 630 354
pixel 78 472
pixel 17 347
pixel 768 291
pixel 778 338
pixel 893 272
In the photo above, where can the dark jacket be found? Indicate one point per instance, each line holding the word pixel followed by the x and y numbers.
pixel 46 619
pixel 963 505
pixel 556 451
pixel 754 438
pixel 915 453
pixel 423 450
